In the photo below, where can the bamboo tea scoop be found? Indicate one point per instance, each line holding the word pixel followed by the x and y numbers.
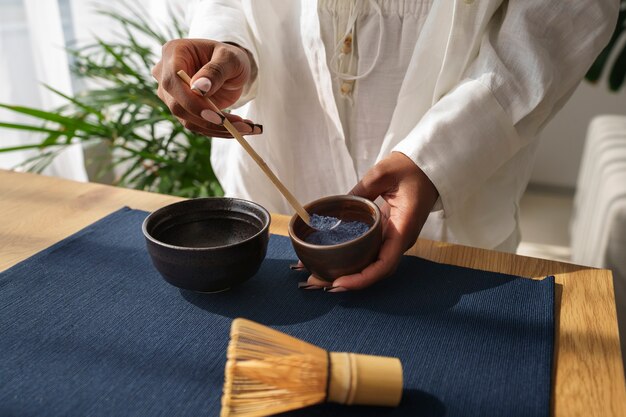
pixel 257 158
pixel 269 372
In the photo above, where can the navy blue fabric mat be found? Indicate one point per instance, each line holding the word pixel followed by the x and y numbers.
pixel 88 327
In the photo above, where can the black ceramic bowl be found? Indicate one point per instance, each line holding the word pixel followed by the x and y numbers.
pixel 207 244
pixel 333 261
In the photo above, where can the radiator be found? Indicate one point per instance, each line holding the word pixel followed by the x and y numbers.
pixel 600 199
pixel 598 226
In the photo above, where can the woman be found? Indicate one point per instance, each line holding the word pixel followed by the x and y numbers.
pixel 432 106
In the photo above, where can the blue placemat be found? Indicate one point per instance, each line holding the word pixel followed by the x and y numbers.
pixel 89 328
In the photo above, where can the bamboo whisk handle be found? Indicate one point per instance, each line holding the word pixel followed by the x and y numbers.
pixel 256 157
pixel 364 379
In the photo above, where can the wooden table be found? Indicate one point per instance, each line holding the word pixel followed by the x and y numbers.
pixel 38 211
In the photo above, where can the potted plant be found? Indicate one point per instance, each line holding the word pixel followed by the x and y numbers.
pixel 148 148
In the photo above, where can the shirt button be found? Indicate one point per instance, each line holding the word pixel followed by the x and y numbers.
pixel 347 44
pixel 346 87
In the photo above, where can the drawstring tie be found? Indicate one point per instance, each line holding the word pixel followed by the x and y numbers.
pixel 343 60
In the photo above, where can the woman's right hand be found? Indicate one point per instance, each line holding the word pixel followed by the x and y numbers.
pixel 220 72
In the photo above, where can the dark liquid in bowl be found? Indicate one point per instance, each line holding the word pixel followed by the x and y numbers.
pixel 207 233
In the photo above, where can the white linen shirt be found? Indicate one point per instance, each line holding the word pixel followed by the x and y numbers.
pixel 483 77
pixel 368 72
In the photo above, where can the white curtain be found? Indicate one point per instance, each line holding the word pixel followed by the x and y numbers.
pixel 32 53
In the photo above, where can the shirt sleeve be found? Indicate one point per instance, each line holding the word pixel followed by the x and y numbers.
pixel 225 21
pixel 531 58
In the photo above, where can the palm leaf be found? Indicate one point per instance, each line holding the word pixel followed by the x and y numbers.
pixel 29 128
pixel 33 146
pixel 618 72
pixel 616 77
pixel 68 123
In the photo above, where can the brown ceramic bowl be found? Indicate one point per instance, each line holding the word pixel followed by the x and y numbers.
pixel 207 244
pixel 329 262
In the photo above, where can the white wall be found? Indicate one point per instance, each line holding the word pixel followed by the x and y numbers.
pixel 562 140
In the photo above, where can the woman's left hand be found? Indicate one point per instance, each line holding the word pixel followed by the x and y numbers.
pixel 409 197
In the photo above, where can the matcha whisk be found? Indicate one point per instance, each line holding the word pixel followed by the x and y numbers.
pixel 257 158
pixel 269 372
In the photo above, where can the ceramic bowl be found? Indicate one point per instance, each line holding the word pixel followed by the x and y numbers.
pixel 207 244
pixel 329 262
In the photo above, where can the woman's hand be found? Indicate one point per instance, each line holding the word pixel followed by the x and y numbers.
pixel 220 72
pixel 409 197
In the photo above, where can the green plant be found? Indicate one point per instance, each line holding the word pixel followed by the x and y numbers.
pixel 150 150
pixel 618 71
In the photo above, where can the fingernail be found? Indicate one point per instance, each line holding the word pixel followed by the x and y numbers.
pixel 258 129
pixel 243 127
pixel 212 117
pixel 335 289
pixel 306 286
pixel 296 267
pixel 202 85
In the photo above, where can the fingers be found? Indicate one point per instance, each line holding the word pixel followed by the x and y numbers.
pixel 388 259
pixel 298 266
pixel 409 197
pixel 385 215
pixel 314 283
pixel 224 76
pixel 179 110
pixel 223 71
pixel 393 247
pixel 215 131
pixel 156 71
pixel 210 123
pixel 225 68
pixel 185 104
pixel 243 126
pixel 313 280
pixel 379 180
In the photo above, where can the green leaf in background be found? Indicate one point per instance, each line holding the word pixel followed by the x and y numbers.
pixel 618 71
pixel 616 77
pixel 146 146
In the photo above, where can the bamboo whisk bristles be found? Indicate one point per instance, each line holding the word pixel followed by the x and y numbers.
pixel 269 372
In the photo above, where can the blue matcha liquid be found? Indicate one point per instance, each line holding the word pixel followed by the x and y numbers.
pixel 327 235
